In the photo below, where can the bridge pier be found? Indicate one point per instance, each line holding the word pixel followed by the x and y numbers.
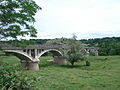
pixel 59 60
pixel 33 66
pixel 97 53
pixel 29 65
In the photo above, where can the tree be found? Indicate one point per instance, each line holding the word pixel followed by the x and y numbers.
pixel 107 45
pixel 74 51
pixel 17 18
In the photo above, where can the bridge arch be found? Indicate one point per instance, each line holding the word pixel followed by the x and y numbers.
pixel 27 62
pixel 58 52
pixel 20 55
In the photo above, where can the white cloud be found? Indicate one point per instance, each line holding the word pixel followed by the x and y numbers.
pixel 61 17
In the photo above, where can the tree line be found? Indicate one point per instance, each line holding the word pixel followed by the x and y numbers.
pixel 107 45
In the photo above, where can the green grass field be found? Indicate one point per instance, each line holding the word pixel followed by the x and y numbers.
pixel 103 74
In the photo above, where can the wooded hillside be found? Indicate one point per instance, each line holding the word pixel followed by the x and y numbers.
pixel 108 45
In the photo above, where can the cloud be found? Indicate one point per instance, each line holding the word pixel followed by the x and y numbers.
pixel 63 17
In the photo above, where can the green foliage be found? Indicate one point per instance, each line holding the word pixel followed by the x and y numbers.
pixel 55 42
pixel 92 53
pixel 108 46
pixel 87 63
pixel 20 43
pixel 11 79
pixel 39 41
pixel 16 18
pixel 74 51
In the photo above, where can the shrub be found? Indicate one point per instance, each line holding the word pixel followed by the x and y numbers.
pixel 74 51
pixel 15 80
pixel 87 63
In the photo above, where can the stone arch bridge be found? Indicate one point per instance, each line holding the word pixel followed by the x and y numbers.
pixel 29 56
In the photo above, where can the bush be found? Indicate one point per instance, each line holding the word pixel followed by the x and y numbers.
pixel 14 80
pixel 87 63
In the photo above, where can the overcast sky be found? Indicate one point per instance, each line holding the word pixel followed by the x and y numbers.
pixel 85 18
